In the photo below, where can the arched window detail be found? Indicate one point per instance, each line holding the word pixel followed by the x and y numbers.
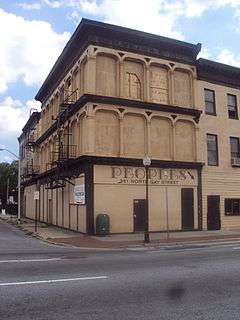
pixel 133 80
pixel 133 86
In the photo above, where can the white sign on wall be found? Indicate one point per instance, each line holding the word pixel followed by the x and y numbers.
pixel 79 194
pixel 36 195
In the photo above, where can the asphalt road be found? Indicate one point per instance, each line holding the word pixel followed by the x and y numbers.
pixel 41 281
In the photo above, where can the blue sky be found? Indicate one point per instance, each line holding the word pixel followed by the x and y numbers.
pixel 34 32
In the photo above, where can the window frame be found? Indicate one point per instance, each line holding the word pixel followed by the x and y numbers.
pixel 213 102
pixel 229 203
pixel 238 142
pixel 217 154
pixel 235 106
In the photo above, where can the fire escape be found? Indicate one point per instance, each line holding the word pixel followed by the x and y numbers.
pixel 64 151
pixel 30 169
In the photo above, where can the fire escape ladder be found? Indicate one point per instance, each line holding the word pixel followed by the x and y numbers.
pixel 63 149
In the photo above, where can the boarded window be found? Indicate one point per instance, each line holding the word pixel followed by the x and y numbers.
pixel 106 75
pixel 182 88
pixel 159 84
pixel 134 135
pixel 185 141
pixel 161 138
pixel 107 133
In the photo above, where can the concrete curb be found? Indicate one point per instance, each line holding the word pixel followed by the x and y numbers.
pixel 155 244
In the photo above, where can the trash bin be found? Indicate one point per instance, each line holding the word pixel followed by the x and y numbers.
pixel 102 224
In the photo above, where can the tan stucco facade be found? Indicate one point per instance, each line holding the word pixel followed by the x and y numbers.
pixel 143 105
pixel 117 187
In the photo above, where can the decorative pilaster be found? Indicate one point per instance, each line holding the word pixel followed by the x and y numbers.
pixel 90 130
pixel 174 142
pixel 121 146
pixel 198 154
pixel 147 83
pixel 90 75
pixel 171 87
pixel 121 78
pixel 148 136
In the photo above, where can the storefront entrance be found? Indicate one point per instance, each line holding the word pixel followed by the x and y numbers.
pixel 139 214
pixel 187 200
pixel 120 192
pixel 213 213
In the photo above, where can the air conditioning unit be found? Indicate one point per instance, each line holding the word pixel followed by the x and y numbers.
pixel 235 162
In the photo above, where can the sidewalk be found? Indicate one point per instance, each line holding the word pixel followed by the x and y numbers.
pixel 61 236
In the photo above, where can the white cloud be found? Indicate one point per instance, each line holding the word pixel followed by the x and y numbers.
pixel 227 57
pixel 9 101
pixel 204 53
pixel 14 114
pixel 28 49
pixel 30 6
pixel 53 4
pixel 156 16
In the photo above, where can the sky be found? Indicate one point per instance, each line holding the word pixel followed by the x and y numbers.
pixel 34 32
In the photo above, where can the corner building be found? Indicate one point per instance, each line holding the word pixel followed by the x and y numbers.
pixel 114 96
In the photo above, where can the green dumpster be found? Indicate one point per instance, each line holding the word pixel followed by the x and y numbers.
pixel 102 224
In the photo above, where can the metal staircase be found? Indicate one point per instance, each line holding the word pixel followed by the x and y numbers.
pixel 63 151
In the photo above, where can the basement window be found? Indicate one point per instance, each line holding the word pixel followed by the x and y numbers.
pixel 232 207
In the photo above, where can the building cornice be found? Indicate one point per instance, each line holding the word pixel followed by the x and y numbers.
pixel 218 73
pixel 91 32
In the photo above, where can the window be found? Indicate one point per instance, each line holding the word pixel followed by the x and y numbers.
pixel 210 107
pixel 212 150
pixel 232 106
pixel 234 146
pixel 232 207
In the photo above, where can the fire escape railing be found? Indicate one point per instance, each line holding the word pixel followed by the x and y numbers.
pixel 30 170
pixel 70 97
pixel 64 153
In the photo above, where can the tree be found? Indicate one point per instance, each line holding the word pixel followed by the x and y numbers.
pixel 8 176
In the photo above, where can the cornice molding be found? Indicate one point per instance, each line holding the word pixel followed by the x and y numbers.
pixel 91 32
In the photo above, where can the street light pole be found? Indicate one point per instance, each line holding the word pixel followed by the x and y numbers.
pixel 19 183
pixel 19 192
pixel 147 163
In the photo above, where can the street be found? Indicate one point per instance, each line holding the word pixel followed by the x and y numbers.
pixel 42 281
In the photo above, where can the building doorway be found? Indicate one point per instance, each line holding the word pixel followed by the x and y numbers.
pixel 213 213
pixel 187 200
pixel 139 214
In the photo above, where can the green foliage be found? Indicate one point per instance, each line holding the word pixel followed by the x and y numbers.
pixel 8 171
